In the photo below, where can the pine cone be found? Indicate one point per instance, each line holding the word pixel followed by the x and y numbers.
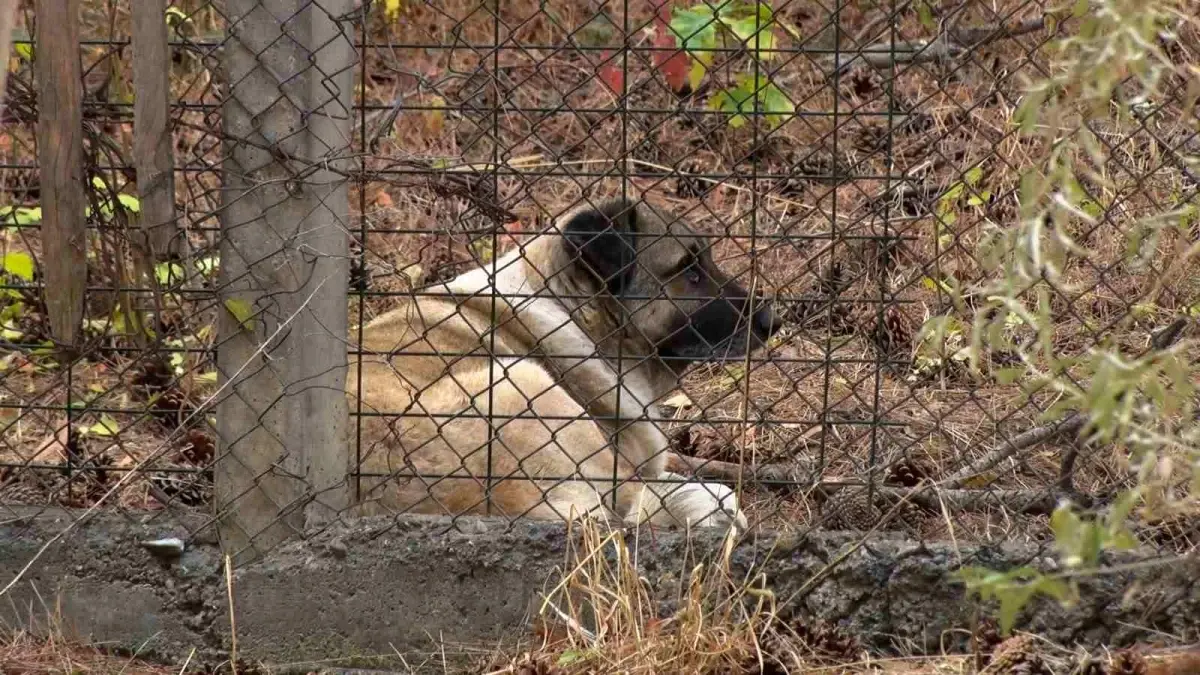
pixel 200 448
pixel 827 640
pixel 907 473
pixel 849 509
pixel 987 637
pixel 864 82
pixel 1017 656
pixel 150 376
pixel 190 488
pixel 774 656
pixel 535 664
pixel 1128 662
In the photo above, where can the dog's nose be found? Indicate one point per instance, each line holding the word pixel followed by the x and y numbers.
pixel 766 321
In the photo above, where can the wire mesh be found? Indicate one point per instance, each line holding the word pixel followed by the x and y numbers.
pixel 821 172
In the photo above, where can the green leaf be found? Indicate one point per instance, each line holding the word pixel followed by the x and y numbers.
pixel 20 215
pixel 107 426
pixel 973 175
pixel 753 95
pixel 19 264
pixel 176 361
pixel 983 197
pixel 925 15
pixel 1012 600
pixel 241 311
pixel 756 34
pixel 168 273
pixel 730 101
pixel 952 193
pixel 22 46
pixel 482 248
pixel 209 377
pixel 207 266
pixel 694 27
pixel 777 105
pixel 1026 116
pixel 175 16
pixel 696 73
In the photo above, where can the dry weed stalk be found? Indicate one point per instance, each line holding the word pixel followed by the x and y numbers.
pixel 611 622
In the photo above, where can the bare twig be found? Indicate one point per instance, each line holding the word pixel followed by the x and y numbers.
pixel 730 471
pixel 232 614
pixel 945 46
pixel 977 36
pixel 951 488
pixel 1037 502
pixel 1070 425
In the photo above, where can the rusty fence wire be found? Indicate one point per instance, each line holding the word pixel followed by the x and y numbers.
pixel 745 212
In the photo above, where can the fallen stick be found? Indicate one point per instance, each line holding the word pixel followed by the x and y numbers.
pixel 949 490
pixel 929 496
pixel 945 46
pixel 1070 425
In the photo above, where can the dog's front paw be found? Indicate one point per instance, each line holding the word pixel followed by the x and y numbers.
pixel 695 504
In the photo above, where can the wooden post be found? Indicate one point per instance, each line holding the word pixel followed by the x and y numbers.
pixel 8 19
pixel 152 146
pixel 283 454
pixel 60 161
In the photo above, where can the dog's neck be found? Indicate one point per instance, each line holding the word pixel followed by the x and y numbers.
pixel 566 317
pixel 527 291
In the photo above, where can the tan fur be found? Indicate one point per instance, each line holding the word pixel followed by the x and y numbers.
pixel 433 375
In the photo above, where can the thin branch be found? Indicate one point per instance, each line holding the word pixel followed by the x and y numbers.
pixel 945 46
pixel 1030 502
pixel 1069 425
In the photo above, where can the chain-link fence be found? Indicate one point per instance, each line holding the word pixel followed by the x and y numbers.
pixel 744 213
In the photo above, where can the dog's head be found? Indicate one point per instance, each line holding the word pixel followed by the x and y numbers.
pixel 661 277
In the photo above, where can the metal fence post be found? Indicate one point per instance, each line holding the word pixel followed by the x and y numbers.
pixel 284 265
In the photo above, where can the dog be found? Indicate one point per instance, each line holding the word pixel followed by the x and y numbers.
pixel 524 387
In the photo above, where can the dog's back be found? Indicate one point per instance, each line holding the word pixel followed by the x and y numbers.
pixel 448 428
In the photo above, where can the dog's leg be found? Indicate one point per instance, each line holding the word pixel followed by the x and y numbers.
pixel 677 501
pixel 572 502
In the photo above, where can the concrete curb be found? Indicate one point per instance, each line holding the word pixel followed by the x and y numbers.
pixel 365 592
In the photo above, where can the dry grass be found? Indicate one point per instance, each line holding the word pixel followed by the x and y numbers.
pixel 22 653
pixel 839 390
pixel 600 615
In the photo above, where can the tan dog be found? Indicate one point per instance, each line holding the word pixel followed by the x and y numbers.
pixel 502 396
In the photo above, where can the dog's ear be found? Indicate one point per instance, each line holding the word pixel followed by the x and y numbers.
pixel 603 240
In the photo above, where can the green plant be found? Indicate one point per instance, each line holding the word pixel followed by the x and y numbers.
pixel 1109 61
pixel 701 29
pixel 20 216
